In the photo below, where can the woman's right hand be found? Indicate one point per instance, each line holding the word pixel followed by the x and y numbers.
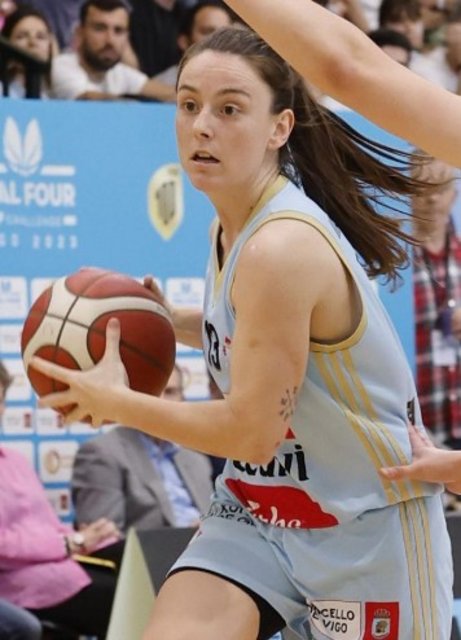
pixel 91 392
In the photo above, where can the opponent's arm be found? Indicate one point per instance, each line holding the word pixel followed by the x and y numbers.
pixel 269 357
pixel 343 62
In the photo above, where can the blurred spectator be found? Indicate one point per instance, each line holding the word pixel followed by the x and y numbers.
pixel 404 16
pixel 349 9
pixel 197 22
pixel 94 71
pixel 153 34
pixel 17 623
pixel 371 10
pixel 6 7
pixel 61 15
pixel 140 481
pixel 395 44
pixel 37 569
pixel 442 64
pixel 434 13
pixel 437 295
pixel 29 30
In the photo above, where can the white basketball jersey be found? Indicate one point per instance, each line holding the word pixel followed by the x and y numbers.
pixel 353 409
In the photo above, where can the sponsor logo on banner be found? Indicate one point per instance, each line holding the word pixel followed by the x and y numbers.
pixel 381 621
pixel 185 292
pixel 56 460
pixel 35 197
pixel 336 619
pixel 49 422
pixel 165 200
pixel 18 421
pixel 20 389
pixel 13 298
pixel 60 501
pixel 10 338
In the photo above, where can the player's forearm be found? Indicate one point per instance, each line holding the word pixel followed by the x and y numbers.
pixel 344 63
pixel 210 427
pixel 188 326
pixel 299 30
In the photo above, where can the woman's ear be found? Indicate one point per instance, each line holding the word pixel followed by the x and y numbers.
pixel 283 126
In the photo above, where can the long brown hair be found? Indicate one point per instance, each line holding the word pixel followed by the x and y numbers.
pixel 344 172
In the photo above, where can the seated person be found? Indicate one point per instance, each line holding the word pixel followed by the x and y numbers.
pixel 394 43
pixel 95 70
pixel 17 623
pixel 61 15
pixel 197 23
pixel 139 481
pixel 38 571
pixel 29 30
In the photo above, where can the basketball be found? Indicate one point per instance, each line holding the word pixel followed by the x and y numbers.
pixel 67 324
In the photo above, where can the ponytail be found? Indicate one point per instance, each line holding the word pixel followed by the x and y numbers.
pixel 352 178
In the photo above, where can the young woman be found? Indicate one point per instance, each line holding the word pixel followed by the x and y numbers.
pixel 342 62
pixel 28 29
pixel 302 529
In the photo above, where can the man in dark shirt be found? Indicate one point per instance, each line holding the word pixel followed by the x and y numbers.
pixel 153 34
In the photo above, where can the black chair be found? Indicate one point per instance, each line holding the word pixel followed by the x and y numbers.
pixel 53 631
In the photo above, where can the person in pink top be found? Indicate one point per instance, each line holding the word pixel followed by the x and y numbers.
pixel 37 569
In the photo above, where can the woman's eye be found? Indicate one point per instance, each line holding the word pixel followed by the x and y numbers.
pixel 229 110
pixel 189 106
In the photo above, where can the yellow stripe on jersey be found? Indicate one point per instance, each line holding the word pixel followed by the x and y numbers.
pixel 417 537
pixel 391 489
pixel 408 487
pixel 412 572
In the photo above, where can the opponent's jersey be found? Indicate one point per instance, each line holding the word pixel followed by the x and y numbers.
pixel 352 412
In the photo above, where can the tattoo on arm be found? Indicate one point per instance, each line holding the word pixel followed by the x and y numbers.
pixel 288 404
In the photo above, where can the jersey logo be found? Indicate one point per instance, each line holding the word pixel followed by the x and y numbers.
pixel 281 506
pixel 212 352
pixel 381 621
pixel 336 619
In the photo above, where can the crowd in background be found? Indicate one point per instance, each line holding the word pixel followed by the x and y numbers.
pixel 144 39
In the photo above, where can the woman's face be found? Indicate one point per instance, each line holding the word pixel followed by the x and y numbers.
pixel 227 135
pixel 32 35
pixel 433 209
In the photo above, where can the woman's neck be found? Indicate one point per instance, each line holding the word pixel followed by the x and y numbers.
pixel 234 208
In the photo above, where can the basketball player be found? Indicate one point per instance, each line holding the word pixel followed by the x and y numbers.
pixel 302 529
pixel 344 63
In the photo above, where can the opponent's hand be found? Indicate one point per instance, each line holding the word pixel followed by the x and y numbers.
pixel 429 464
pixel 90 392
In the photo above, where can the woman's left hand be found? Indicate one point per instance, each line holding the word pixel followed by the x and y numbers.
pixel 90 392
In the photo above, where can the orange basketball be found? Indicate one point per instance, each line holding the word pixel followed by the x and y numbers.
pixel 67 324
